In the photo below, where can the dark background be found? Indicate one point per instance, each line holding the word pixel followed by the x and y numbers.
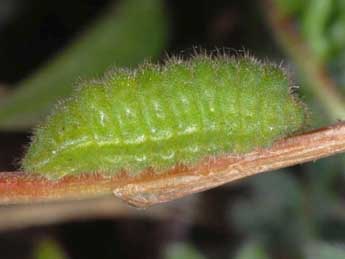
pixel 32 31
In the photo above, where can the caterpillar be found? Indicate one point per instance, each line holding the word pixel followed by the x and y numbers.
pixel 157 116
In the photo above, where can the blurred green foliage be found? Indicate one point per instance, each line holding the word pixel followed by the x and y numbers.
pixel 252 250
pixel 291 7
pixel 321 24
pixel 321 250
pixel 274 213
pixel 182 251
pixel 125 36
pixel 48 249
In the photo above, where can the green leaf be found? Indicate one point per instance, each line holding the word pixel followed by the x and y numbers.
pixel 135 32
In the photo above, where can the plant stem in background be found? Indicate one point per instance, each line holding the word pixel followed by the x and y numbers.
pixel 135 32
pixel 313 71
pixel 151 188
pixel 30 215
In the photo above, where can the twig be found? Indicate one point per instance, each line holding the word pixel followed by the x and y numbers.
pixel 315 73
pixel 152 188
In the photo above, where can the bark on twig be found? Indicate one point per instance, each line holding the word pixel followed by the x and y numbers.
pixel 151 188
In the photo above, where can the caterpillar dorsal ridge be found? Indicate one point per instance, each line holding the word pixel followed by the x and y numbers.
pixel 157 116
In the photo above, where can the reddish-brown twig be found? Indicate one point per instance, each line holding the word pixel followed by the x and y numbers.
pixel 156 187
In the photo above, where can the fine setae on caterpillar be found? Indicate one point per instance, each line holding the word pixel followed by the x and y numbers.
pixel 159 116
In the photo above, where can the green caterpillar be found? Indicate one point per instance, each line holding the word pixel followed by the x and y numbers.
pixel 159 116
